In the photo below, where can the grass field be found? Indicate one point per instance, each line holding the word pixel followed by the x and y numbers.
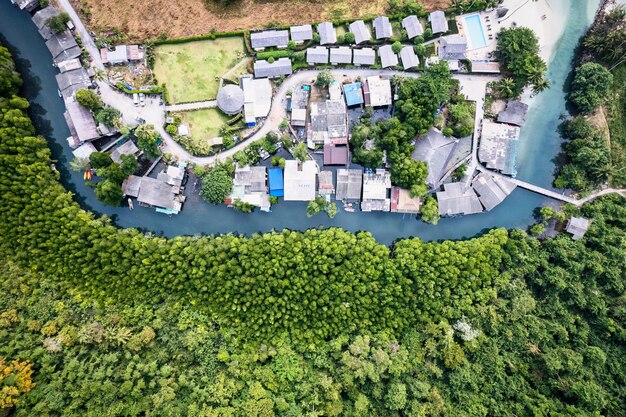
pixel 616 112
pixel 190 70
pixel 148 19
pixel 204 125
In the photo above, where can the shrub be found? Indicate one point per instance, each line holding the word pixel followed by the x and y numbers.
pixel 89 99
pixel 216 185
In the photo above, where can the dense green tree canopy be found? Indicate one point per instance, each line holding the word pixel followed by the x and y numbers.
pixel 518 51
pixel 89 99
pixel 216 185
pixel 590 87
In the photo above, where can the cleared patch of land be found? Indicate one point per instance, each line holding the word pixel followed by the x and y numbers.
pixel 616 112
pixel 148 19
pixel 204 125
pixel 191 70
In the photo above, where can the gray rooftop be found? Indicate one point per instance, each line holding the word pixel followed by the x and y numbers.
pixel 263 69
pixel 28 5
pixel 578 226
pixel 301 33
pixel 438 22
pixel 84 150
pixel 126 148
pixel 458 199
pixel 376 191
pixel 412 26
pixel 82 123
pixel 74 77
pixel 387 57
pixel 63 46
pixel 158 193
pixel 491 190
pixel 498 146
pixel 230 99
pixel 328 120
pixel 328 34
pixel 409 57
pixel 361 32
pixel 349 182
pixel 325 183
pixel 435 149
pixel 317 55
pixel 382 27
pixel 341 55
pixel 514 114
pixel 41 19
pixel 365 56
pixel 269 38
pixel 453 47
pixel 252 178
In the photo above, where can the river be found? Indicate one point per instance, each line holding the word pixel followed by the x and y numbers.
pixel 540 143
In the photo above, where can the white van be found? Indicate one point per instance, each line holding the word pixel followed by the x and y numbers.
pixel 136 99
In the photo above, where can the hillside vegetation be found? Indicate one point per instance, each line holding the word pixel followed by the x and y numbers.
pixel 321 323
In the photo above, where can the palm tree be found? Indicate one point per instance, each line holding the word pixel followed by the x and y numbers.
pixel 504 87
pixel 540 86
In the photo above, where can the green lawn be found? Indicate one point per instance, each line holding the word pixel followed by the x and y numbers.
pixel 191 70
pixel 616 112
pixel 204 125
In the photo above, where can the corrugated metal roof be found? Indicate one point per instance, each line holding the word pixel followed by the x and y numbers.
pixel 41 19
pixel 365 56
pixel 453 47
pixel 409 57
pixel 263 69
pixel 387 57
pixel 328 34
pixel 457 199
pixel 361 32
pixel 301 33
pixel 438 22
pixel 63 46
pixel 353 93
pixel 317 55
pixel 349 183
pixel 341 55
pixel 269 38
pixel 382 27
pixel 412 26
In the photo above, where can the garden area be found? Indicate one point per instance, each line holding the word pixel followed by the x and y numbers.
pixel 191 70
pixel 204 125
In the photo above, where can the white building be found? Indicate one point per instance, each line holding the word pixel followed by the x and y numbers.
pixel 299 181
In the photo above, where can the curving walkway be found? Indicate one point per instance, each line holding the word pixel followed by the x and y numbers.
pixel 192 106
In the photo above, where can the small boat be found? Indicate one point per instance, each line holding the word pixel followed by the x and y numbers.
pixel 348 207
pixel 130 203
pixel 87 175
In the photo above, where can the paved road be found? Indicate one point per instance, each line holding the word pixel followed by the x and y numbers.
pixel 88 42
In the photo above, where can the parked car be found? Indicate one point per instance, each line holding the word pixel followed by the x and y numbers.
pixel 142 99
pixel 141 120
pixel 136 99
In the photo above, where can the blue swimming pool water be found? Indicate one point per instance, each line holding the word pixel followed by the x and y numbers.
pixel 474 30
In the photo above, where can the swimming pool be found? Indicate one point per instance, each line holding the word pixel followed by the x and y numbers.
pixel 474 32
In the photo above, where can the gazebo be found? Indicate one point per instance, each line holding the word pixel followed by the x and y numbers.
pixel 230 99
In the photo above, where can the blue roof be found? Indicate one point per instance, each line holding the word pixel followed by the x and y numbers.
pixel 277 187
pixel 354 94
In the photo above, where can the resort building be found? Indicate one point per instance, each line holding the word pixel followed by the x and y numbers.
pixel 257 97
pixel 409 58
pixel 276 182
pixel 263 69
pixel 325 184
pixel 70 82
pixel 458 199
pixel 353 93
pixel 300 180
pixel 28 5
pixel 341 55
pixel 412 26
pixel 360 31
pixel 376 191
pixel 63 46
pixel 317 55
pixel 377 91
pixel 80 122
pixel 438 22
pixel 173 175
pixel 69 65
pixel 269 38
pixel 328 123
pixel 349 183
pixel 382 27
pixel 453 49
pixel 387 57
pixel 491 190
pixel 41 21
pixel 514 114
pixel 230 99
pixel 435 149
pixel 152 192
pixel 301 33
pixel 249 186
pixel 365 56
pixel 328 34
pixel 498 146
pixel 402 202
pixel 577 227
pixel 126 148
pixel 84 150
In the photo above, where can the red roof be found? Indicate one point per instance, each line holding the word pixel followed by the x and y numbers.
pixel 335 155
